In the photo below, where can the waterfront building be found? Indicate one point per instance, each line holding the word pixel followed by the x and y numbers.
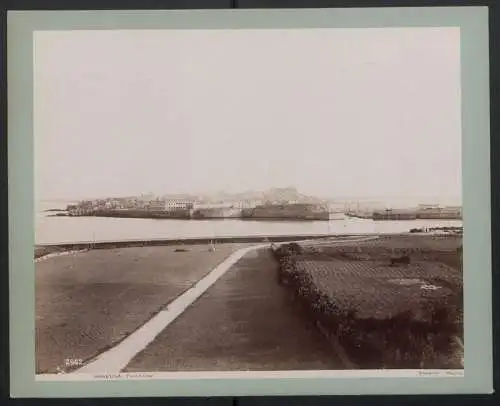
pixel 179 204
pixel 429 211
pixel 452 212
pixel 86 207
pixel 453 209
pixel 217 205
pixel 156 205
pixel 248 203
pixel 427 206
pixel 72 209
pixel 113 203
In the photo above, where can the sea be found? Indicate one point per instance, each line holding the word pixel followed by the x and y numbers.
pixel 53 230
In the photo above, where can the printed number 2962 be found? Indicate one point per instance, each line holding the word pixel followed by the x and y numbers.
pixel 73 362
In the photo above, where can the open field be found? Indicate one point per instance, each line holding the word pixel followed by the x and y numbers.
pixel 428 247
pixel 403 315
pixel 381 291
pixel 88 302
pixel 245 321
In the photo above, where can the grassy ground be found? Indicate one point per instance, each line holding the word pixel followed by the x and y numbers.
pixel 245 321
pixel 380 291
pixel 430 248
pixel 395 316
pixel 89 301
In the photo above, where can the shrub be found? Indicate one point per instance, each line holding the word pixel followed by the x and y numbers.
pixel 295 248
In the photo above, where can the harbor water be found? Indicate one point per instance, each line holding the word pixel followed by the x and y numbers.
pixel 50 229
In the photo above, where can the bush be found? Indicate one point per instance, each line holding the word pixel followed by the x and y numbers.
pixel 295 248
pixel 286 250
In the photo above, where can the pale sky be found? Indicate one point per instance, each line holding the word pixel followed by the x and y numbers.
pixel 332 112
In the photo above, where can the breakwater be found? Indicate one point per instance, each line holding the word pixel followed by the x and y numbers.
pixel 403 216
pixel 426 212
pixel 46 249
pixel 194 241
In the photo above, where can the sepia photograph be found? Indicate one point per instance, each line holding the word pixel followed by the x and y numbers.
pixel 248 201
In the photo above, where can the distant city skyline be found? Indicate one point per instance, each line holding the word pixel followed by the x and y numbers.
pixel 335 113
pixel 408 200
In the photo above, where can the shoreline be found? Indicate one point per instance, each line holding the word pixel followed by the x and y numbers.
pixel 43 250
pixel 53 249
pixel 187 216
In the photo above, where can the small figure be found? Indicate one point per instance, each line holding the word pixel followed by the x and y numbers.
pixel 212 247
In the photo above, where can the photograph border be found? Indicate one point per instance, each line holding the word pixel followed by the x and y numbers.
pixel 473 24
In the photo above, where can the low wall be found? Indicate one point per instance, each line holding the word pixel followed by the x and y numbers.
pixel 44 249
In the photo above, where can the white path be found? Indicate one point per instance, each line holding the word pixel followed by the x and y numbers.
pixel 118 357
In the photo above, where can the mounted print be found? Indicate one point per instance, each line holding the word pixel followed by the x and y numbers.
pixel 238 203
